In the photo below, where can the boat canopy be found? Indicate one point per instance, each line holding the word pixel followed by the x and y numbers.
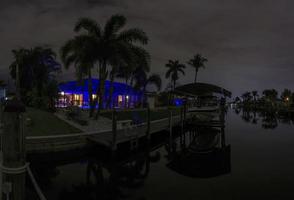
pixel 200 89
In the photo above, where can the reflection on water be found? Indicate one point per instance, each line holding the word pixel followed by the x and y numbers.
pixel 267 119
pixel 207 154
pixel 242 161
pixel 199 153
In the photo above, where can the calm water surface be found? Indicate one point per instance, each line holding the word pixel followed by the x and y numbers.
pixel 261 167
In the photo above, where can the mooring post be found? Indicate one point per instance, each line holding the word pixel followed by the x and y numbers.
pixel 185 110
pixel 13 167
pixel 148 124
pixel 114 130
pixel 170 126
pixel 182 120
pixel 1 155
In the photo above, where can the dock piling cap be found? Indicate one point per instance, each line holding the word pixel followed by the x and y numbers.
pixel 14 105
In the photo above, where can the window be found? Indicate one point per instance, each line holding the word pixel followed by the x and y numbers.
pixel 120 98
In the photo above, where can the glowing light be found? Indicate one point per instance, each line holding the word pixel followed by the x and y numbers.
pixel 178 102
pixel 77 94
pixel 287 98
pixel 120 99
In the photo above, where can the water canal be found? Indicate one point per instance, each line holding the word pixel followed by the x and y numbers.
pixel 253 161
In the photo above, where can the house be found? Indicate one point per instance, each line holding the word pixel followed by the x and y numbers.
pixel 2 91
pixel 73 93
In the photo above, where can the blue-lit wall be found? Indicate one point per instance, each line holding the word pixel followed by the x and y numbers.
pixel 74 87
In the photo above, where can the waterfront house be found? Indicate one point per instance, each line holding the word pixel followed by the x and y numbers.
pixel 73 93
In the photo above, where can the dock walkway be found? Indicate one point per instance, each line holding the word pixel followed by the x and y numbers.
pixel 56 143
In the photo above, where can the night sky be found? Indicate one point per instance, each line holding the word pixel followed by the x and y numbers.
pixel 249 43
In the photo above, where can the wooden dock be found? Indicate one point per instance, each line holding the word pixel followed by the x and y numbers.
pixel 56 143
pixel 115 135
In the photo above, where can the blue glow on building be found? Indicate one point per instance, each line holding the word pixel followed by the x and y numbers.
pixel 178 102
pixel 75 93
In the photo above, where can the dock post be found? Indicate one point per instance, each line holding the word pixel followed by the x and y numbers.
pixel 148 125
pixel 13 166
pixel 114 130
pixel 185 110
pixel 170 126
pixel 182 120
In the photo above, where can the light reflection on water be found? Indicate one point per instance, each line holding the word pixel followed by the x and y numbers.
pixel 252 163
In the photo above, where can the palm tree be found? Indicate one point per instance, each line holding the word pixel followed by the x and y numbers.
pixel 33 69
pixel 79 52
pixel 143 81
pixel 21 72
pixel 174 68
pixel 254 95
pixel 197 62
pixel 246 97
pixel 286 95
pixel 114 47
pixel 270 95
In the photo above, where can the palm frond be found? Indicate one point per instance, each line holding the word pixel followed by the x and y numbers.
pixel 133 35
pixel 113 25
pixel 154 79
pixel 89 25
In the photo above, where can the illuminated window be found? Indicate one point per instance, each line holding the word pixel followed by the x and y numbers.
pixel 120 98
pixel 78 99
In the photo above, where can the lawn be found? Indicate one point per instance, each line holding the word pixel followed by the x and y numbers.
pixel 141 115
pixel 42 123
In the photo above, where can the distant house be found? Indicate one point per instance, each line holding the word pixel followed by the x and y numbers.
pixel 2 91
pixel 76 94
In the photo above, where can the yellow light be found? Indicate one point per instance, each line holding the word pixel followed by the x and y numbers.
pixel 120 99
pixel 76 97
pixel 287 98
pixel 94 96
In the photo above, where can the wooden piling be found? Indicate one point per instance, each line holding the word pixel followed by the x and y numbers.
pixel 185 110
pixel 114 130
pixel 148 124
pixel 170 126
pixel 182 120
pixel 14 155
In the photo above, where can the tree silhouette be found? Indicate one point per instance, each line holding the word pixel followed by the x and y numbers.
pixel 197 62
pixel 174 68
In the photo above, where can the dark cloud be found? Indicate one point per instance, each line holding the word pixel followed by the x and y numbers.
pixel 249 43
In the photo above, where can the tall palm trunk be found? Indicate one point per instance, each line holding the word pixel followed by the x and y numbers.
pixel 131 84
pixel 90 92
pixel 110 100
pixel 100 89
pixel 126 99
pixel 143 96
pixel 173 94
pixel 196 72
pixel 170 93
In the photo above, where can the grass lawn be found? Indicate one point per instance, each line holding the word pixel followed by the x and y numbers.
pixel 141 115
pixel 44 123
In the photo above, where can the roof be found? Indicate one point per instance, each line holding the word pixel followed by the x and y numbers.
pixel 81 87
pixel 200 89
